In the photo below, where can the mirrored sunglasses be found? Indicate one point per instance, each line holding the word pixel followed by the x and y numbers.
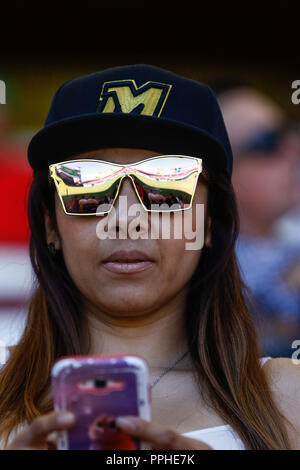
pixel 91 187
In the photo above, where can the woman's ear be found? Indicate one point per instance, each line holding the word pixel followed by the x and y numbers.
pixel 51 233
pixel 207 238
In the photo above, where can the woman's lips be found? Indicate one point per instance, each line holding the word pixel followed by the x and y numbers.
pixel 128 262
pixel 127 267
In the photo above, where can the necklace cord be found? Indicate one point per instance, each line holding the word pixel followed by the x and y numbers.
pixel 168 369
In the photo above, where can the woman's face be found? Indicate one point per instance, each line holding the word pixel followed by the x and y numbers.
pixel 121 289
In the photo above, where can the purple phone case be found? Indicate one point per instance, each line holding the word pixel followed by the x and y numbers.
pixel 127 392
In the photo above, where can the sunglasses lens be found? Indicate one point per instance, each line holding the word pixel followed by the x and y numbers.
pixel 86 187
pixel 166 184
pixel 90 187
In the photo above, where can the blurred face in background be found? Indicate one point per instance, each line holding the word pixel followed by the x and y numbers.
pixel 268 184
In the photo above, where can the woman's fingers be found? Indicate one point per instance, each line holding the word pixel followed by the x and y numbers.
pixel 51 441
pixel 159 436
pixel 41 434
pixel 36 435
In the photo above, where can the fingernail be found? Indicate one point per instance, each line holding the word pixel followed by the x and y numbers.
pixel 127 424
pixel 65 418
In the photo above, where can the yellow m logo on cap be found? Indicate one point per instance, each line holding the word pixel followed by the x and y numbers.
pixel 123 96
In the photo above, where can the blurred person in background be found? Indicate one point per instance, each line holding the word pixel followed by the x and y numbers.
pixel 15 269
pixel 266 179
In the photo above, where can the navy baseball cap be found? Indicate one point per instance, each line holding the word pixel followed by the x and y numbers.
pixel 135 106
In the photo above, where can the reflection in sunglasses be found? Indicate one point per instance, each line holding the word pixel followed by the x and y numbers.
pixel 165 180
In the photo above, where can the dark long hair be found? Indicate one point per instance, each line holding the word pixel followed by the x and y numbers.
pixel 220 331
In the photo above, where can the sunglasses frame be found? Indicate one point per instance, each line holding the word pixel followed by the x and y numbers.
pixel 52 177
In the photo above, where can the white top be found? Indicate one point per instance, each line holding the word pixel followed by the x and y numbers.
pixel 221 437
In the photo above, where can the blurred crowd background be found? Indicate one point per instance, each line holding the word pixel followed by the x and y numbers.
pixel 249 64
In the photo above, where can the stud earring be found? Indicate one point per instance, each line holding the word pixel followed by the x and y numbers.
pixel 51 248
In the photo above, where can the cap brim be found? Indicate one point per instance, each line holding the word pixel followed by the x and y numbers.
pixel 84 133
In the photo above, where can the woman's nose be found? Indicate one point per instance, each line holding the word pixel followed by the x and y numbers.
pixel 128 194
pixel 127 209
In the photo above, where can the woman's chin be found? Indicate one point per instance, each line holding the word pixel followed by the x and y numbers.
pixel 130 306
pixel 130 309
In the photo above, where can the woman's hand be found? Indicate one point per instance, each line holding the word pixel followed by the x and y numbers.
pixel 161 437
pixel 37 436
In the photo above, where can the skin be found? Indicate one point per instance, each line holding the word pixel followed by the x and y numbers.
pixel 140 314
pixel 267 186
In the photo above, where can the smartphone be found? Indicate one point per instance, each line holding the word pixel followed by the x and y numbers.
pixel 98 389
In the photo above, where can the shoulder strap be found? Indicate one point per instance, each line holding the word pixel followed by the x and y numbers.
pixel 263 360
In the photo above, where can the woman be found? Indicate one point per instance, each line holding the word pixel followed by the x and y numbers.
pixel 146 296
